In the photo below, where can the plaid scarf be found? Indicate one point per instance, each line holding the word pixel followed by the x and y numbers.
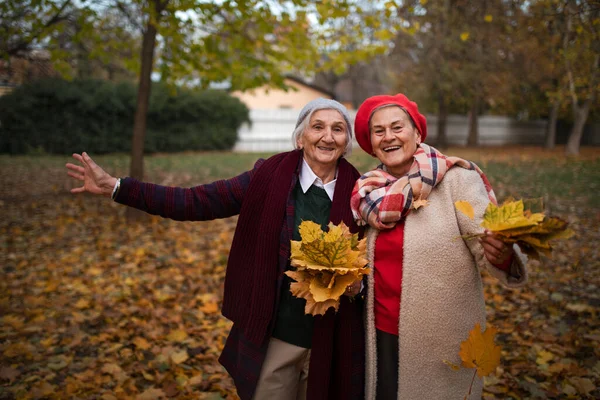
pixel 381 200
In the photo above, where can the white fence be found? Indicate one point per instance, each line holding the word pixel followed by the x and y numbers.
pixel 271 130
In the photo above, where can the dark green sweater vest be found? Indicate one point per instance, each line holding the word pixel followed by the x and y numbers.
pixel 291 324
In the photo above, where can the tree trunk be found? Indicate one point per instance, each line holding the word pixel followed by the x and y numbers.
pixel 136 168
pixel 473 138
pixel 442 139
pixel 551 127
pixel 574 141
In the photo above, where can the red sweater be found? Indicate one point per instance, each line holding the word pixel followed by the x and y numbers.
pixel 389 250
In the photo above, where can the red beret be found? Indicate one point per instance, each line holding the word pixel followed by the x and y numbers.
pixel 365 111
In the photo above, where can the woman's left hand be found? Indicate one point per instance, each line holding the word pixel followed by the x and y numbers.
pixel 352 290
pixel 496 251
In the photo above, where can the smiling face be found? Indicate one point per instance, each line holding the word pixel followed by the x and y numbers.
pixel 324 139
pixel 394 139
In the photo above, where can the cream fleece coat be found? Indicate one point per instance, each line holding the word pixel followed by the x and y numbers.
pixel 442 293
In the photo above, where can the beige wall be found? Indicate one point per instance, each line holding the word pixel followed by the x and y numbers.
pixel 275 98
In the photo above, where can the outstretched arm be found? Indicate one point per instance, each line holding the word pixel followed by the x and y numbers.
pixel 220 199
pixel 95 179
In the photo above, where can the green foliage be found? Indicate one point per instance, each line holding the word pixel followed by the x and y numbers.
pixel 59 117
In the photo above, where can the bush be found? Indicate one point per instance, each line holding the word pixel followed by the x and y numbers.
pixel 60 117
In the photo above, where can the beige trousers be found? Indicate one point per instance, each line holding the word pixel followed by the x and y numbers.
pixel 284 374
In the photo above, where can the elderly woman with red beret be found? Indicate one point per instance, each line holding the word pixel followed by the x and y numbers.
pixel 424 291
pixel 274 350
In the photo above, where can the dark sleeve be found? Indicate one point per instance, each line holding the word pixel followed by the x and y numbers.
pixel 220 199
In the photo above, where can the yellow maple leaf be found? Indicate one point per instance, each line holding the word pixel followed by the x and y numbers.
pixel 510 215
pixel 310 231
pixel 465 207
pixel 479 351
pixel 337 249
pixel 331 286
pixel 553 226
pixel 326 264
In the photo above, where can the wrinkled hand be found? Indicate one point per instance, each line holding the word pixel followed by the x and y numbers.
pixel 95 179
pixel 352 290
pixel 496 251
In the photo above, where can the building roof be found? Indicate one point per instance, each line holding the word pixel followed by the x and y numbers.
pixel 300 81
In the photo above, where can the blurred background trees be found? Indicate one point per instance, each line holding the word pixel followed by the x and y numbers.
pixel 524 59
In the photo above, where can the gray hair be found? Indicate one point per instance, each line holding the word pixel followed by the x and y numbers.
pixel 322 104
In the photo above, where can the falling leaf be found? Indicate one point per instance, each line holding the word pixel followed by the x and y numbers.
pixel 488 18
pixel 479 351
pixel 326 264
pixel 464 36
pixel 465 207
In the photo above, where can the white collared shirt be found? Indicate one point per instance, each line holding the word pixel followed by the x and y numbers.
pixel 309 178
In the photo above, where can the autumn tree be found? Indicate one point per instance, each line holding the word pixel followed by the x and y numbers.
pixel 25 24
pixel 247 43
pixel 354 51
pixel 538 43
pixel 426 57
pixel 581 57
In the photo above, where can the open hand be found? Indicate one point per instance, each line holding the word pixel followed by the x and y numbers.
pixel 95 179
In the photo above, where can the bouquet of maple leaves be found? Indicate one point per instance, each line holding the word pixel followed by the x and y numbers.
pixel 326 264
pixel 517 222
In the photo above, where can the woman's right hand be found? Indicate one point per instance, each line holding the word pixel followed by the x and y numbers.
pixel 95 179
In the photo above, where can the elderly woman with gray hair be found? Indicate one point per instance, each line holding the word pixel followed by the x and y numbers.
pixel 274 350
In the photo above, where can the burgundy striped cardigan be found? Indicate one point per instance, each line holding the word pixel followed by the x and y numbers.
pixel 336 368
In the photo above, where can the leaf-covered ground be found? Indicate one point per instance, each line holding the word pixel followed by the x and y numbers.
pixel 94 308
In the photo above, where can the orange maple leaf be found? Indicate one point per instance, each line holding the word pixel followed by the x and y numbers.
pixel 479 351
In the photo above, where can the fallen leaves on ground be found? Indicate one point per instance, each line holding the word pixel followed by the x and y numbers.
pixel 141 283
pixel 95 308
